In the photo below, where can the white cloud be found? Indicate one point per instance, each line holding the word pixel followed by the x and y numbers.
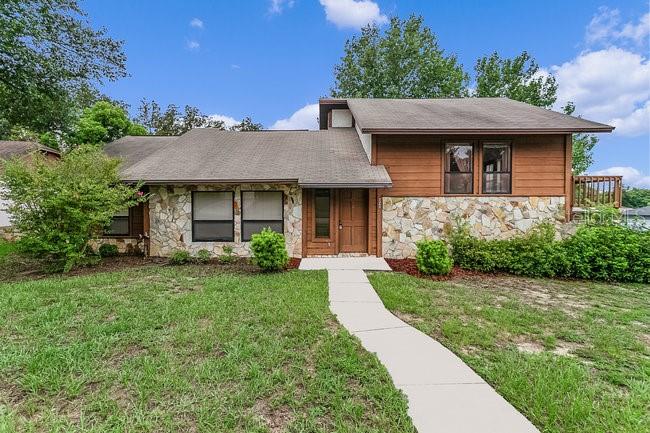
pixel 277 6
pixel 605 28
pixel 196 23
pixel 305 118
pixel 193 45
pixel 636 123
pixel 608 85
pixel 631 176
pixel 353 13
pixel 227 120
pixel 235 66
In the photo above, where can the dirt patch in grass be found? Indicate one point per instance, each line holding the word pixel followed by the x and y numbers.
pixel 275 418
pixel 409 266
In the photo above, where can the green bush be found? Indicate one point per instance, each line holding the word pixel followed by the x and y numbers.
pixel 227 256
pixel 180 257
pixel 107 250
pixel 269 251
pixel 433 257
pixel 203 256
pixel 59 206
pixel 601 252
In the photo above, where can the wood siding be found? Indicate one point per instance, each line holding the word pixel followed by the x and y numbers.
pixel 540 165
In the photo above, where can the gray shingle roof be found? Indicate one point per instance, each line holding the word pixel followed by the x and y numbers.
pixel 9 149
pixel 478 115
pixel 311 158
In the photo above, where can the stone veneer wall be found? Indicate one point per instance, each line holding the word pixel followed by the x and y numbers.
pixel 124 245
pixel 407 220
pixel 170 213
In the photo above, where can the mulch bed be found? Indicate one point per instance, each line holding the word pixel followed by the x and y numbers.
pixel 293 263
pixel 408 266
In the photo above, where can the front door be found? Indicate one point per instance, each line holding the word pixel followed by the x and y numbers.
pixel 353 220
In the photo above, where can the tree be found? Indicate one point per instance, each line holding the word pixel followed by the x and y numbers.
pixel 172 121
pixel 101 123
pixel 247 124
pixel 405 61
pixel 58 207
pixel 636 197
pixel 48 50
pixel 518 78
pixel 583 146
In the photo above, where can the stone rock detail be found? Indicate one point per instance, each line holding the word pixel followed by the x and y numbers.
pixel 170 216
pixel 407 220
pixel 131 246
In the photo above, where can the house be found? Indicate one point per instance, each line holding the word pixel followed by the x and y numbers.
pixel 18 149
pixel 379 175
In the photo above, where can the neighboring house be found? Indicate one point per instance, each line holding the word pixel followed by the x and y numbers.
pixel 18 149
pixel 380 175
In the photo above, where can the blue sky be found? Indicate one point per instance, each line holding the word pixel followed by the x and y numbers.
pixel 273 59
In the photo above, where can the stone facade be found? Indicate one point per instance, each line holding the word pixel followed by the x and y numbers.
pixel 170 214
pixel 407 220
pixel 130 246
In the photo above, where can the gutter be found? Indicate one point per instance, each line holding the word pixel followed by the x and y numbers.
pixel 480 131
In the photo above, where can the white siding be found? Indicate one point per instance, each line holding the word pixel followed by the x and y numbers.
pixel 341 118
pixel 366 141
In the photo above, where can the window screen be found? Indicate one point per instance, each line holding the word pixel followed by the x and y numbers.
pixel 496 168
pixel 119 224
pixel 212 216
pixel 459 163
pixel 261 209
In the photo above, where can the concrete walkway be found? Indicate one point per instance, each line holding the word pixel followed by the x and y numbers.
pixel 444 394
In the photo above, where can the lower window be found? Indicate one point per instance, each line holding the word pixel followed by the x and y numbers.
pixel 212 216
pixel 119 224
pixel 322 212
pixel 459 166
pixel 260 210
pixel 496 168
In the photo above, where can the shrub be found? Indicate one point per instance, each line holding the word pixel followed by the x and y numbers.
pixel 432 257
pixel 107 250
pixel 203 256
pixel 269 252
pixel 180 257
pixel 227 256
pixel 58 207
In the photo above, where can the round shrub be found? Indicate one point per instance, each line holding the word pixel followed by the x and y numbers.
pixel 107 250
pixel 180 257
pixel 433 258
pixel 269 251
pixel 203 256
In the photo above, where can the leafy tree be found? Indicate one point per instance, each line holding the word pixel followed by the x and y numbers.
pixel 583 146
pixel 172 121
pixel 137 129
pixel 636 197
pixel 58 207
pixel 247 124
pixel 48 50
pixel 516 78
pixel 405 61
pixel 101 123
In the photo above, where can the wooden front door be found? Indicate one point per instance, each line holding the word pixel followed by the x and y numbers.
pixel 353 220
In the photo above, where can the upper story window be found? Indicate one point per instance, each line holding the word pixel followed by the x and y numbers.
pixel 261 209
pixel 496 168
pixel 212 216
pixel 459 162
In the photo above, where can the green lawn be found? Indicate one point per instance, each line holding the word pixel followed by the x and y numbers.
pixel 170 349
pixel 6 248
pixel 572 356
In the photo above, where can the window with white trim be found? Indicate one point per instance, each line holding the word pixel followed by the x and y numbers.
pixel 261 209
pixel 212 216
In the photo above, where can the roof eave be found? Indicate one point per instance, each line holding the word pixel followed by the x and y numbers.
pixel 346 184
pixel 208 181
pixel 483 131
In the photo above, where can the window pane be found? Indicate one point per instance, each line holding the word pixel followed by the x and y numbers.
pixel 496 157
pixel 251 227
pixel 496 183
pixel 458 158
pixel 119 226
pixel 322 211
pixel 458 183
pixel 213 231
pixel 124 213
pixel 266 205
pixel 212 206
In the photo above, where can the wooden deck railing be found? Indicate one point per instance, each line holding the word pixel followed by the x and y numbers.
pixel 589 191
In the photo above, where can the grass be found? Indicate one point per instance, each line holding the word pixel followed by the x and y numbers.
pixel 572 356
pixel 169 349
pixel 6 248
